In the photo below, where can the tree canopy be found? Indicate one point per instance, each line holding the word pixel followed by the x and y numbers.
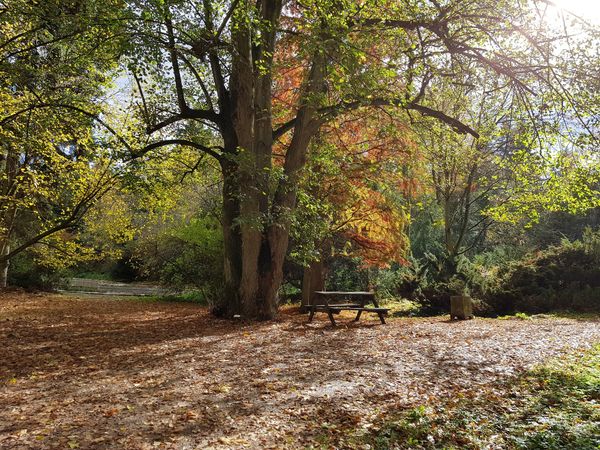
pixel 266 88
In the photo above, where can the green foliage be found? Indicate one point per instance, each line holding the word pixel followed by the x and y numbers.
pixel 549 408
pixel 199 296
pixel 346 274
pixel 507 279
pixel 519 316
pixel 426 232
pixel 55 64
pixel 547 181
pixel 591 243
pixel 563 277
pixel 28 272
pixel 185 255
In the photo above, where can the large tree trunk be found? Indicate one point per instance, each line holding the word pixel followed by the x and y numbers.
pixel 251 280
pixel 255 224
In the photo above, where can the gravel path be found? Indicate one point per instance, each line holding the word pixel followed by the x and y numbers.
pixel 114 288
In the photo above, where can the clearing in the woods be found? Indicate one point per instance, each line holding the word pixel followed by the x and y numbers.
pixel 101 373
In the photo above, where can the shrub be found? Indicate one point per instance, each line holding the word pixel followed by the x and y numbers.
pixel 26 272
pixel 563 277
pixel 187 256
pixel 502 281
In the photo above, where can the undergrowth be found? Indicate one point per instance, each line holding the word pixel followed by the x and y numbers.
pixel 191 296
pixel 556 406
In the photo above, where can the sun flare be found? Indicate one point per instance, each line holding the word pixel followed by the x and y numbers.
pixel 588 10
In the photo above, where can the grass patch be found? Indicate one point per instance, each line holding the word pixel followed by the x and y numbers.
pixel 519 316
pixel 401 307
pixel 552 315
pixel 94 276
pixel 556 406
pixel 191 296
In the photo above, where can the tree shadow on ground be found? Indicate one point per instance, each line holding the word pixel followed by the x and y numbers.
pixel 123 374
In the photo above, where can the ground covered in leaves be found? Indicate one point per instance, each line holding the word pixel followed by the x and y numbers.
pixel 100 373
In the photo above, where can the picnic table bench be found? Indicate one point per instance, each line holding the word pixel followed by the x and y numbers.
pixel 353 301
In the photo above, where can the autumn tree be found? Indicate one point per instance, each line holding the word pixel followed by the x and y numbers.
pixel 347 197
pixel 211 65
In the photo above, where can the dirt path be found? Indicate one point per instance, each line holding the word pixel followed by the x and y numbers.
pixel 114 288
pixel 96 373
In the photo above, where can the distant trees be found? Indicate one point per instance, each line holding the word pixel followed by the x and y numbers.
pixel 53 63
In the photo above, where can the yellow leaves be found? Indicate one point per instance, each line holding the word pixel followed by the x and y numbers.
pixel 223 388
pixel 233 441
pixel 375 226
pixel 111 219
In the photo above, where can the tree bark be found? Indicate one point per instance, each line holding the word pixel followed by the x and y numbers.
pixel 312 280
pixel 251 280
pixel 8 166
pixel 229 303
pixel 4 264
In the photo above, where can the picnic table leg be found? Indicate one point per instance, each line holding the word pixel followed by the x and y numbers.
pixel 381 318
pixel 358 315
pixel 312 313
pixel 330 314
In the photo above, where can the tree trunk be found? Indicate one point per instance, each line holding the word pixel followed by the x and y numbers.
pixel 255 224
pixel 313 280
pixel 8 166
pixel 4 263
pixel 251 279
pixel 229 303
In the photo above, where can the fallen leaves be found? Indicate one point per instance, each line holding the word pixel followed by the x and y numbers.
pixel 101 373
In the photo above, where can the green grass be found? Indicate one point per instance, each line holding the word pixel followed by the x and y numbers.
pixel 553 315
pixel 400 307
pixel 93 276
pixel 519 316
pixel 556 406
pixel 191 296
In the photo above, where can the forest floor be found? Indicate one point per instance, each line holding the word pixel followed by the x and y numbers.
pixel 102 373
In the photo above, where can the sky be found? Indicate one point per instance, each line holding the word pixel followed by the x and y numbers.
pixel 588 10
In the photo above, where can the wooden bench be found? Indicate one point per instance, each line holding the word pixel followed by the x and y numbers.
pixel 354 301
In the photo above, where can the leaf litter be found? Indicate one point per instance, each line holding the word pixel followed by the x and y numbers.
pixel 99 373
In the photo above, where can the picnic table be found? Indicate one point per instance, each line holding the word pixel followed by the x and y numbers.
pixel 352 301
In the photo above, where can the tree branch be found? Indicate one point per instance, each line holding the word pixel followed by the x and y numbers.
pixel 209 150
pixel 183 107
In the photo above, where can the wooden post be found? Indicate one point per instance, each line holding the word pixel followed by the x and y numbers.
pixel 461 307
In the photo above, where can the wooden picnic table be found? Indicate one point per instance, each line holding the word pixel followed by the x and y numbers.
pixel 353 301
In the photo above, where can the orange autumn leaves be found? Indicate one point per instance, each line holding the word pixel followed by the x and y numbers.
pixel 371 148
pixel 357 166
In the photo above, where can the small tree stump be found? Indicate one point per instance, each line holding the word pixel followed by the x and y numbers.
pixel 461 307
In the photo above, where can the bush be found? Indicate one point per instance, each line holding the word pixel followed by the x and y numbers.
pixel 563 277
pixel 502 281
pixel 188 256
pixel 346 274
pixel 430 283
pixel 24 271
